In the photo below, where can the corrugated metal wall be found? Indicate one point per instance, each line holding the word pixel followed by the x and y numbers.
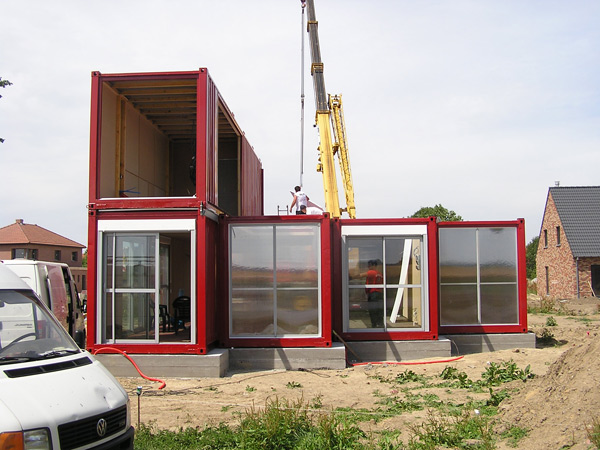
pixel 251 181
pixel 211 141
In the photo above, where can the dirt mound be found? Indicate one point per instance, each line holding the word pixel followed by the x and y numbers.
pixel 557 406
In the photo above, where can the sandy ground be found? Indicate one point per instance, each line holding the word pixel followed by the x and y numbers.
pixel 555 406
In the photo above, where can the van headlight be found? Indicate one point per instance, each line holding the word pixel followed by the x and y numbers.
pixel 38 439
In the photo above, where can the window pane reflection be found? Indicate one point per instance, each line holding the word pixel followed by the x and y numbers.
pixel 458 305
pixel 252 312
pixel 458 255
pixel 297 311
pixel 499 304
pixel 498 254
pixel 297 256
pixel 252 256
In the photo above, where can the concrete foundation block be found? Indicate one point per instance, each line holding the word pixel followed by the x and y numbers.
pixel 377 351
pixel 214 364
pixel 463 344
pixel 333 357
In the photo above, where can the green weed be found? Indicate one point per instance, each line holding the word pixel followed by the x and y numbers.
pixel 593 432
pixel 513 435
pixel 496 374
pixel 466 430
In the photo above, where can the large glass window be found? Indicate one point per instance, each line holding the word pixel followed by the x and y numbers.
pixel 275 280
pixel 478 276
pixel 130 291
pixel 384 283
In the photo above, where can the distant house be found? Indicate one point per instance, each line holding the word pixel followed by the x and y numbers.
pixel 568 257
pixel 23 240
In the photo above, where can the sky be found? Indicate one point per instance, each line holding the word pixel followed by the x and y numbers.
pixel 478 105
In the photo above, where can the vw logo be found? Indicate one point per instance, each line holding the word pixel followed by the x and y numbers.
pixel 101 427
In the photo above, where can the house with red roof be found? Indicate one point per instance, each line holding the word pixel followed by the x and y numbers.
pixel 30 241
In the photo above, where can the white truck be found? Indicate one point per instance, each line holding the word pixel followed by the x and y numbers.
pixel 55 286
pixel 53 394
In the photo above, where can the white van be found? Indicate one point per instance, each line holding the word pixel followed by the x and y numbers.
pixel 55 286
pixel 53 395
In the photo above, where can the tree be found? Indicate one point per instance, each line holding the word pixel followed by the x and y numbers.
pixel 3 84
pixel 438 211
pixel 530 256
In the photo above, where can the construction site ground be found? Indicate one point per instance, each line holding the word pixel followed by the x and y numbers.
pixel 555 406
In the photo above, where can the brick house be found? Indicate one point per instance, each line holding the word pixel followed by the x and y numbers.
pixel 568 256
pixel 29 241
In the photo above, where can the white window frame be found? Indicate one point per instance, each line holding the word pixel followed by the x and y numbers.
pixel 386 231
pixel 151 226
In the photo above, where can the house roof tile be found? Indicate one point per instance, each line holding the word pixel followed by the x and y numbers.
pixel 579 210
pixel 24 233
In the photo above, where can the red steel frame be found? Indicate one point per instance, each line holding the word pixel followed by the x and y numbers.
pixel 432 333
pixel 205 290
pixel 521 327
pixel 95 145
pixel 325 339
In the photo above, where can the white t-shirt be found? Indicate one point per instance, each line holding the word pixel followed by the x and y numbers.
pixel 301 199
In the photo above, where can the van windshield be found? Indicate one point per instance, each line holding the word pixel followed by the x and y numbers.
pixel 28 332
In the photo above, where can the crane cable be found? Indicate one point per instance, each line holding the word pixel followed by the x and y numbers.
pixel 302 97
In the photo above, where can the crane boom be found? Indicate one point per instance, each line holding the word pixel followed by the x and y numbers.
pixel 341 148
pixel 329 109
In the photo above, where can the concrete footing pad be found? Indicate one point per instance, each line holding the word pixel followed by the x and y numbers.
pixel 333 357
pixel 214 364
pixel 463 344
pixel 219 361
pixel 377 351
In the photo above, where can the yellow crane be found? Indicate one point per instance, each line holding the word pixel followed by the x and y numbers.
pixel 329 116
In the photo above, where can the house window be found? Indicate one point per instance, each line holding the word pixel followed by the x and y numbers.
pixel 547 280
pixel 478 276
pixel 384 278
pixel 19 253
pixel 545 238
pixel 557 236
pixel 57 255
pixel 24 253
pixel 274 284
pixel 136 306
pixel 74 256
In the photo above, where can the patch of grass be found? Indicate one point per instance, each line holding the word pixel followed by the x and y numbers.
pixel 466 430
pixel 293 385
pixel 551 322
pixel 513 435
pixel 250 388
pixel 280 425
pixel 593 431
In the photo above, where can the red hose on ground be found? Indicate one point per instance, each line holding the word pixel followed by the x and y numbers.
pixel 111 349
pixel 407 363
